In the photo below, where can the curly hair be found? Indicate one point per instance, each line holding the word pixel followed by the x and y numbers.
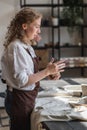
pixel 15 30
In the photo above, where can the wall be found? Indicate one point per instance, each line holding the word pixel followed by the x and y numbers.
pixel 7 10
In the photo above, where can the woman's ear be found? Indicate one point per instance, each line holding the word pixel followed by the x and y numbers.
pixel 24 26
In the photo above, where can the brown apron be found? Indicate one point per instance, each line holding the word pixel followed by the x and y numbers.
pixel 23 104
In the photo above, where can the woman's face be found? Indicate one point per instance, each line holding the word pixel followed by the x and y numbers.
pixel 32 30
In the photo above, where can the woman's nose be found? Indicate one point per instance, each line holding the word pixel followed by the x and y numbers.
pixel 39 30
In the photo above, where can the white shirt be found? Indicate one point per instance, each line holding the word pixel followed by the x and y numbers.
pixel 17 65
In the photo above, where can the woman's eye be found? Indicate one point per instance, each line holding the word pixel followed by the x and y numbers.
pixel 37 26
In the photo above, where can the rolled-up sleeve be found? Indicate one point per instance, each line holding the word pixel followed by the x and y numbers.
pixel 21 74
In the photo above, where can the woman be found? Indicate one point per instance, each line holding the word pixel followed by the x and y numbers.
pixel 20 67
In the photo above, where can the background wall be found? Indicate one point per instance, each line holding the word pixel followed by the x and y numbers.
pixel 7 11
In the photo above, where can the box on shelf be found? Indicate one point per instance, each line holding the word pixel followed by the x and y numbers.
pixel 43 55
pixel 76 61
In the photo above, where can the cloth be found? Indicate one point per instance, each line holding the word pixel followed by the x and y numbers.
pixel 56 107
pixel 17 65
pixel 51 84
pixel 80 80
pixel 57 87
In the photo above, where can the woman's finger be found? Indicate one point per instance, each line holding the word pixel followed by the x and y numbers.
pixel 52 60
pixel 60 62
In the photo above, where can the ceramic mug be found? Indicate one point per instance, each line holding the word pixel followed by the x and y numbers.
pixel 55 21
pixel 84 89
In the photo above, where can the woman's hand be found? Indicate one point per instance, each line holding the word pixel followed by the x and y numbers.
pixel 54 76
pixel 56 68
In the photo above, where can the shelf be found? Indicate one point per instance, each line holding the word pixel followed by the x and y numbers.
pixel 40 47
pixel 73 25
pixel 36 5
pixel 24 4
pixel 76 67
pixel 57 47
pixel 62 23
pixel 50 5
pixel 78 5
pixel 69 46
pixel 57 26
pixel 44 47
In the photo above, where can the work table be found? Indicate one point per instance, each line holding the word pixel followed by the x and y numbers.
pixel 45 94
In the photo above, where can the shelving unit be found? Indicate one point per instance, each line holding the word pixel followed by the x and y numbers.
pixel 65 47
pixel 76 62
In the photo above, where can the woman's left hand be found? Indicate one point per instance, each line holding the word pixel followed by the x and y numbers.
pixel 55 76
